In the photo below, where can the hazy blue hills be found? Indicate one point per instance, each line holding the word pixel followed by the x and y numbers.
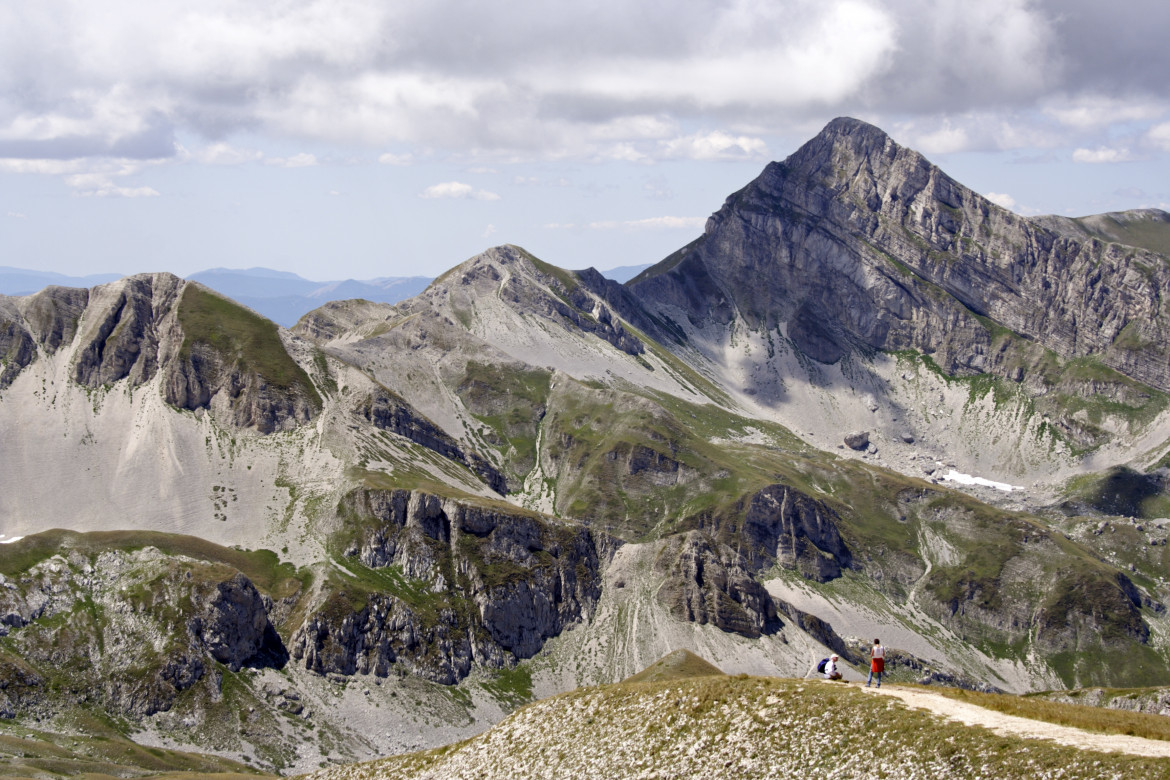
pixel 22 281
pixel 281 296
pixel 285 297
pixel 624 273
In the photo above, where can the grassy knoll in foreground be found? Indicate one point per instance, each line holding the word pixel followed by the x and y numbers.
pixel 743 727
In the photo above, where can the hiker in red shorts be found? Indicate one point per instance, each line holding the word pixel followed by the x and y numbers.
pixel 877 662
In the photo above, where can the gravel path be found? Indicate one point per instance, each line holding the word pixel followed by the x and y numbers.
pixel 1000 723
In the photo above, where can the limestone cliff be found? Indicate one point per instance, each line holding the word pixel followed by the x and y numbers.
pixel 781 525
pixel 707 582
pixel 212 354
pixel 855 242
pixel 464 584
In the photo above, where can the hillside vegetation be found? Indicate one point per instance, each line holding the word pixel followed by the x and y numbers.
pixel 742 727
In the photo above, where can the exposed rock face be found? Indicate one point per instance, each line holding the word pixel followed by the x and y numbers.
pixel 133 629
pixel 222 357
pixel 490 586
pixel 796 530
pixel 782 525
pixel 46 320
pixel 708 582
pixel 121 333
pixel 16 347
pixel 218 357
pixel 21 688
pixel 856 242
pixel 232 623
pixel 387 411
pixel 571 303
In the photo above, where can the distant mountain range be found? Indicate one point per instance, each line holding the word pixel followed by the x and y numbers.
pixel 281 296
pixel 22 281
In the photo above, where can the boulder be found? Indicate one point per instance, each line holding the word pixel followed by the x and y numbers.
pixel 858 440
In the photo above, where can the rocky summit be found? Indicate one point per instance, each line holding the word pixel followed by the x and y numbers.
pixel 865 402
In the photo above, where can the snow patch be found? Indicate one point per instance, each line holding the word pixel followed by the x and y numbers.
pixel 10 541
pixel 967 479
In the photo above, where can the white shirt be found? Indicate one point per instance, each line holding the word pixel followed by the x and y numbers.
pixel 878 651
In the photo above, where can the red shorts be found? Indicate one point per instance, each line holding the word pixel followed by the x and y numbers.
pixel 879 665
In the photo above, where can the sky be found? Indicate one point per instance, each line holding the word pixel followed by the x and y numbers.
pixel 371 138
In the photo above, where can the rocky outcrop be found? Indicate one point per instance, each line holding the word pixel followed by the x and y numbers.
pixel 232 623
pixel 387 411
pixel 21 687
pixel 480 585
pixel 121 330
pixel 707 582
pixel 1083 610
pixel 212 353
pixel 781 525
pixel 46 320
pixel 383 636
pixel 854 242
pixel 575 307
pixel 17 348
pixel 134 629
pixel 225 358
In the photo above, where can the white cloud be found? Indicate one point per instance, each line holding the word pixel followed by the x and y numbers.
pixel 99 185
pixel 1087 112
pixel 1002 199
pixel 396 159
pixel 226 154
pixel 1102 154
pixel 457 190
pixel 302 160
pixel 44 167
pixel 97 177
pixel 612 80
pixel 977 131
pixel 489 231
pixel 1159 136
pixel 715 146
pixel 17 215
pixel 652 223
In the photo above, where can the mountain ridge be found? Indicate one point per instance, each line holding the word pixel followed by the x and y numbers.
pixel 525 479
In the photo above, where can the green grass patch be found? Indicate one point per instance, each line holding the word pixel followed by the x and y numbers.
pixel 242 339
pixel 679 665
pixel 262 567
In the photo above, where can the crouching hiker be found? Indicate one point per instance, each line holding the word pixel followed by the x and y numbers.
pixel 831 670
pixel 877 663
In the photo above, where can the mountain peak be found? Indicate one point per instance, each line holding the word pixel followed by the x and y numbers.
pixel 848 126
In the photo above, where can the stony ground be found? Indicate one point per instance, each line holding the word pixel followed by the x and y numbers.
pixel 745 727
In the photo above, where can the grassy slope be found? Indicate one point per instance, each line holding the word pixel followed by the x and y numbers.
pixel 29 752
pixel 241 338
pixel 262 567
pixel 744 727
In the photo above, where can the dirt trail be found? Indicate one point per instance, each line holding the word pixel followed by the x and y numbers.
pixel 1000 723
